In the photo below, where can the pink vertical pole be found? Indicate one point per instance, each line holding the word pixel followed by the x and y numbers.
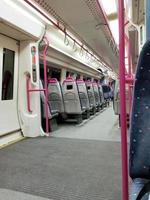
pixel 28 93
pixel 124 161
pixel 45 86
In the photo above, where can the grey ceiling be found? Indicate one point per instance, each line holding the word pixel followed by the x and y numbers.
pixel 85 19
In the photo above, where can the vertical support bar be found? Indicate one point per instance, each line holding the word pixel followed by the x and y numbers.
pixel 123 101
pixel 46 94
pixel 45 86
pixel 63 74
pixel 147 19
pixel 81 76
pixel 28 93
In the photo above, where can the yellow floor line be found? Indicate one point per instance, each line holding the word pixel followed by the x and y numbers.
pixel 12 142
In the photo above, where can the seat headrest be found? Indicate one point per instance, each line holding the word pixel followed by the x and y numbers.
pixel 69 80
pixel 52 80
pixel 88 82
pixel 95 84
pixel 80 81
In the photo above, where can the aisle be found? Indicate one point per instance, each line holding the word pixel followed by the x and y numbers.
pixel 103 126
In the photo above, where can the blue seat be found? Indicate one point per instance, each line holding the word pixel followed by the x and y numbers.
pixel 140 119
pixel 139 164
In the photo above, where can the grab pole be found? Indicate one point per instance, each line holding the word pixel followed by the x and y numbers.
pixel 124 161
pixel 43 58
pixel 28 91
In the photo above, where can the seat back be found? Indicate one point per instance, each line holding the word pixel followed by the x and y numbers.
pixel 55 95
pixel 96 94
pixel 83 95
pixel 116 99
pixel 90 92
pixel 72 103
pixel 140 118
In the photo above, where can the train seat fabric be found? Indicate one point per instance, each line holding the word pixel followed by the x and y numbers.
pixel 51 114
pixel 83 95
pixel 140 118
pixel 71 98
pixel 55 98
pixel 136 188
pixel 90 94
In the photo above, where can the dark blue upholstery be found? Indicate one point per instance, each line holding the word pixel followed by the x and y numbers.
pixel 136 188
pixel 140 119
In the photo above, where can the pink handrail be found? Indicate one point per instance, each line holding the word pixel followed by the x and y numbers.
pixel 124 160
pixel 28 91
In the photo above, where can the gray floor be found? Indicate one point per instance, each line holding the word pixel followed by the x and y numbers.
pixel 14 195
pixel 63 168
pixel 102 126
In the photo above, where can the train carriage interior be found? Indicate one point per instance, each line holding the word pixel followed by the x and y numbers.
pixel 74 100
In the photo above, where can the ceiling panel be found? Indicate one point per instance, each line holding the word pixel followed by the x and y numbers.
pixel 10 31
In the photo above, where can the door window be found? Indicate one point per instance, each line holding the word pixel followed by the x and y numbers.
pixel 8 74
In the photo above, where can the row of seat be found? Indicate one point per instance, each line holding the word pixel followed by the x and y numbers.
pixel 73 99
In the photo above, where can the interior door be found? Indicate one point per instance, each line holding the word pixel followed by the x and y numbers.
pixel 9 121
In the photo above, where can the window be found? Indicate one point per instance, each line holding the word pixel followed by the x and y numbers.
pixel 69 87
pixel 105 88
pixel 8 74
